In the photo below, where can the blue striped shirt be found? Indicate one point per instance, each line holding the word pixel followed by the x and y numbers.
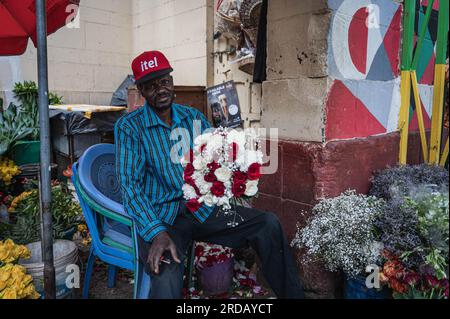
pixel 151 183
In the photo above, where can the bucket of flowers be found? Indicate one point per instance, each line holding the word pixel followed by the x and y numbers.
pixel 214 264
pixel 223 167
pixel 341 235
pixel 416 239
pixel 15 283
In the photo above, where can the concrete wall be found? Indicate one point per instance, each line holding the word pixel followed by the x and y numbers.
pixel 364 55
pixel 178 29
pixel 293 95
pixel 86 64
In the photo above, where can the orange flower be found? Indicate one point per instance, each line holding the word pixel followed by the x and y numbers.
pixel 393 269
pixel 398 286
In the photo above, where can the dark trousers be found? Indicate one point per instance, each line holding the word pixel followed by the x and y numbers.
pixel 261 230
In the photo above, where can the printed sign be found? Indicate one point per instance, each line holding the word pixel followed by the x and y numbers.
pixel 224 103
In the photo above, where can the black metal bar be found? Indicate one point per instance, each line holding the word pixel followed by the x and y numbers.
pixel 45 175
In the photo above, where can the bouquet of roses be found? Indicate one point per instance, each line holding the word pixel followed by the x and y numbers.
pixel 224 165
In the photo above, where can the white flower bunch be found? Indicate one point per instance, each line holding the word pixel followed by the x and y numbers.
pixel 341 233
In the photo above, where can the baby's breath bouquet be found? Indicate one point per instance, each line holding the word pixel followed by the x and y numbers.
pixel 15 283
pixel 341 234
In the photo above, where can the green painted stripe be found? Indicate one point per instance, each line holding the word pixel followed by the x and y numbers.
pixel 108 241
pixel 422 34
pixel 408 33
pixel 441 45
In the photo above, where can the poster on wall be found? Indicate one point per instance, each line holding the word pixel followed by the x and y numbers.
pixel 224 103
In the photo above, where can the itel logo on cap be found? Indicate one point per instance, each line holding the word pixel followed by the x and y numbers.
pixel 147 65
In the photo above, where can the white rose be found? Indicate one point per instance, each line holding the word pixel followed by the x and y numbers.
pixel 248 158
pixel 224 201
pixel 223 174
pixel 198 163
pixel 215 143
pixel 189 192
pixel 202 139
pixel 251 188
pixel 204 187
pixel 209 200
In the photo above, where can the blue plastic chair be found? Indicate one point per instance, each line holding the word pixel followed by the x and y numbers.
pixel 113 232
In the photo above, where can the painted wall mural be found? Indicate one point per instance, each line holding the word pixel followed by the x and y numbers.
pixel 364 64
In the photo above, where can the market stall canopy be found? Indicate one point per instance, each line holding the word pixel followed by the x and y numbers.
pixel 18 22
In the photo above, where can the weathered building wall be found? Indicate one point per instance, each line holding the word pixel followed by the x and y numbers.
pixel 296 86
pixel 363 59
pixel 86 64
pixel 178 29
pixel 318 53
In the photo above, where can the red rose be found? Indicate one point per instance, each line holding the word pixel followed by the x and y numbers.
pixel 189 170
pixel 431 281
pixel 254 171
pixel 213 166
pixel 411 278
pixel 199 251
pixel 218 189
pixel 193 205
pixel 239 177
pixel 210 177
pixel 238 189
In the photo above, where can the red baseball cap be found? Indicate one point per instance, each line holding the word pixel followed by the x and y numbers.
pixel 150 65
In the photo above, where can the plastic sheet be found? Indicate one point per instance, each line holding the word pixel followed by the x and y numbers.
pixel 120 96
pixel 77 122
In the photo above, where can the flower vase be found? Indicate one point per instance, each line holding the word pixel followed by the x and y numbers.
pixel 217 278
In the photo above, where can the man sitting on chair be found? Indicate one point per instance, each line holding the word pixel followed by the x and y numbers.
pixel 152 192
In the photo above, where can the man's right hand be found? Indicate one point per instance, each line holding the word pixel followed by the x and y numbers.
pixel 160 244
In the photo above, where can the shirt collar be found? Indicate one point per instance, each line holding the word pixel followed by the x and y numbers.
pixel 151 119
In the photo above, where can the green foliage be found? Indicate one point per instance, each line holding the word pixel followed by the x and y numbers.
pixel 22 122
pixel 13 127
pixel 433 224
pixel 25 227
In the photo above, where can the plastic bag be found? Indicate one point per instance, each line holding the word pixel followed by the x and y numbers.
pixel 120 96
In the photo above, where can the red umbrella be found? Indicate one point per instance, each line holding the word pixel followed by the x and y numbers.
pixel 18 22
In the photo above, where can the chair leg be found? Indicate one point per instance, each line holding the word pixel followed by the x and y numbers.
pixel 88 274
pixel 190 264
pixel 142 283
pixel 112 274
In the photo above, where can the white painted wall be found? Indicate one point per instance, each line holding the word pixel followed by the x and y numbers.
pixel 178 29
pixel 86 64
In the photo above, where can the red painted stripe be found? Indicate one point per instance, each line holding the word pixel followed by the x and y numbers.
pixel 357 39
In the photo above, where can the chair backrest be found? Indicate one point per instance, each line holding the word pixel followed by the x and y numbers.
pixel 97 175
pixel 88 205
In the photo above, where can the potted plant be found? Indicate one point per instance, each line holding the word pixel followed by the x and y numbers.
pixel 25 148
pixel 214 264
pixel 340 234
